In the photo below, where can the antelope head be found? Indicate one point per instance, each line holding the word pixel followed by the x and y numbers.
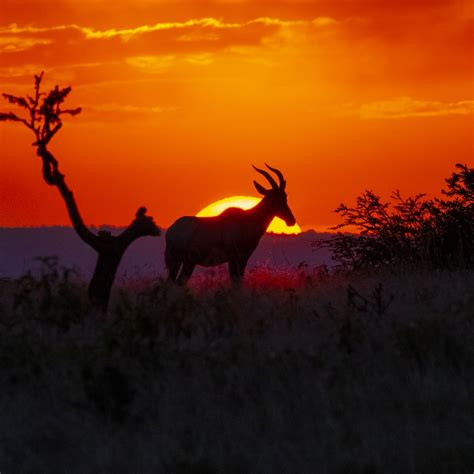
pixel 275 197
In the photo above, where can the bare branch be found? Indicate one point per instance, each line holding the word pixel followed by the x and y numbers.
pixel 10 116
pixel 44 110
pixel 141 226
pixel 54 177
pixel 20 101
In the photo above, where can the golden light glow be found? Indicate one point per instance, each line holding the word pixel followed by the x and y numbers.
pixel 329 91
pixel 277 226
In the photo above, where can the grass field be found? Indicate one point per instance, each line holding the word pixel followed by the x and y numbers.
pixel 300 371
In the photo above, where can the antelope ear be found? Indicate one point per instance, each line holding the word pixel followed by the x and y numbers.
pixel 260 188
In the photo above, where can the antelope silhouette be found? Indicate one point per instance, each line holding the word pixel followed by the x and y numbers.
pixel 229 237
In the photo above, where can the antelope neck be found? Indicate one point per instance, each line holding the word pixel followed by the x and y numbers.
pixel 262 215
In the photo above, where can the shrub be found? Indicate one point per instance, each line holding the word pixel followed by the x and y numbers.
pixel 411 231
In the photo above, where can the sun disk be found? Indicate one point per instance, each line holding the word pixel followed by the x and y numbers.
pixel 277 225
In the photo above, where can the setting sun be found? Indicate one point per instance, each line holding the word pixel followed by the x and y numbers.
pixel 277 226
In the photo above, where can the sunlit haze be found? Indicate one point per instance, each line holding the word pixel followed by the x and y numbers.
pixel 180 98
pixel 277 226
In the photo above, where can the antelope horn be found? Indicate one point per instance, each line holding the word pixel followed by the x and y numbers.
pixel 267 175
pixel 279 174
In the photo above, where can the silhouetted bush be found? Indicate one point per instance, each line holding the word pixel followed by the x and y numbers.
pixel 453 221
pixel 412 231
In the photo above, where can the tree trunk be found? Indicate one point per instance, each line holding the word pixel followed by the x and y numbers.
pixel 103 279
pixel 110 248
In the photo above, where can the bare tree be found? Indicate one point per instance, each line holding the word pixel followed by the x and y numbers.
pixel 44 120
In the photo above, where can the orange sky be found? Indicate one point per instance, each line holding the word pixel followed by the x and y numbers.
pixel 181 97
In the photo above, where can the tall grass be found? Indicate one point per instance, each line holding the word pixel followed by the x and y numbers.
pixel 298 371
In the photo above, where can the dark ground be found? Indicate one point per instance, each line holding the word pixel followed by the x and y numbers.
pixel 339 374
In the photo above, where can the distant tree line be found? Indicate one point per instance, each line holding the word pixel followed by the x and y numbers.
pixel 413 231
